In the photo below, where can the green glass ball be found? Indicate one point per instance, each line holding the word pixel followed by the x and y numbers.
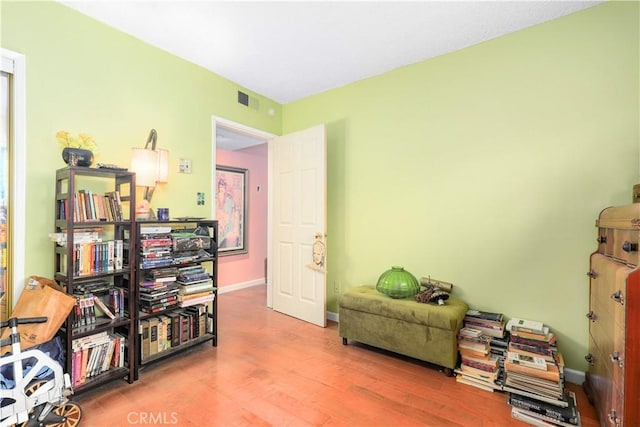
pixel 398 283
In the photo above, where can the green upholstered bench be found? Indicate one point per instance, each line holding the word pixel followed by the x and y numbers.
pixel 423 331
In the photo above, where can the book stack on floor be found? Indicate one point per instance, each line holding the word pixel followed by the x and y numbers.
pixel 195 286
pixel 535 370
pixel 159 290
pixel 481 361
pixel 543 414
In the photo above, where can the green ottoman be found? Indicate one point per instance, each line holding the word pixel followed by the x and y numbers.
pixel 423 331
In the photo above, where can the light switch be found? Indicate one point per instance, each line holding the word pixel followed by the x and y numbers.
pixel 184 166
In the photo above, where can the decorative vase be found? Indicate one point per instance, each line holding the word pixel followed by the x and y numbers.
pixel 77 156
pixel 398 283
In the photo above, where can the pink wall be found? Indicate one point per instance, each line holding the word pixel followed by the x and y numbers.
pixel 249 267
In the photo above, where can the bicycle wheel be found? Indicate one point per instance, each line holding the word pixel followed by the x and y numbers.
pixel 71 411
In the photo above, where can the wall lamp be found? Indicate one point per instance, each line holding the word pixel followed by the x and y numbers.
pixel 151 166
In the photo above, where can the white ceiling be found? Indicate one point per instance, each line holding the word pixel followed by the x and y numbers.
pixel 290 50
pixel 229 139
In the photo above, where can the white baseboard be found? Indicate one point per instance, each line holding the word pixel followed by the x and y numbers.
pixel 333 316
pixel 238 286
pixel 573 376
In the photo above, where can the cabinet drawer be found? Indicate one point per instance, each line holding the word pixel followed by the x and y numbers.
pixel 608 289
pixel 615 414
pixel 600 382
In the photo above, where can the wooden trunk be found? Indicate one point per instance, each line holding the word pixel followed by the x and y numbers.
pixel 613 377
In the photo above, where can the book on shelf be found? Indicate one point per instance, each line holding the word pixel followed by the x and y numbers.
pixel 158 309
pixel 78 237
pixel 153 336
pixel 156 262
pixel 83 313
pixel 157 242
pixel 103 307
pixel 568 414
pixel 155 229
pixel 200 300
pixel 162 333
pixel 193 278
pixel 190 288
pixel 186 297
pixel 144 339
pixel 175 328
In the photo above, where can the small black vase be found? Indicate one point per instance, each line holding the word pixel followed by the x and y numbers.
pixel 77 156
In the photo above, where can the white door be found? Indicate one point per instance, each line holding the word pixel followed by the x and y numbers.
pixel 298 213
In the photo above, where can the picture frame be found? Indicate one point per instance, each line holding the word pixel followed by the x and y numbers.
pixel 230 203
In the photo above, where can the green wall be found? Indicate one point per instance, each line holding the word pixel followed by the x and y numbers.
pixel 83 76
pixel 487 167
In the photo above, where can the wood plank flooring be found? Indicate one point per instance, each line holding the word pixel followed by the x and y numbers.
pixel 272 370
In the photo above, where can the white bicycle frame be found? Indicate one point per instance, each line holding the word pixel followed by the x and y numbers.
pixel 52 392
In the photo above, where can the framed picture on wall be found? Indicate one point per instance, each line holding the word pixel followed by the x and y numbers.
pixel 231 209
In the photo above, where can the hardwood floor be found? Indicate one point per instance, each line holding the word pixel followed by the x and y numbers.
pixel 272 370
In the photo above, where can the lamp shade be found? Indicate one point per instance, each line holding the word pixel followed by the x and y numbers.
pixel 145 164
pixel 163 165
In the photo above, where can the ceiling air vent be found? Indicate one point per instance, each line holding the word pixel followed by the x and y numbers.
pixel 249 101
pixel 243 98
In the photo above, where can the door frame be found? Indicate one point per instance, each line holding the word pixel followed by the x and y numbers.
pixel 267 137
pixel 15 64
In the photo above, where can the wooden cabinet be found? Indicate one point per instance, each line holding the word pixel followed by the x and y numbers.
pixel 613 378
pixel 175 287
pixel 94 223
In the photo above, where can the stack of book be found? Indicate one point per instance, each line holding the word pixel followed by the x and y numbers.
pixel 159 290
pixel 196 286
pixel 491 324
pixel 479 368
pixel 155 247
pixel 480 343
pixel 540 413
pixel 534 367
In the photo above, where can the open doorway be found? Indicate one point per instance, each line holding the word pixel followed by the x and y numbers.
pixel 240 147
